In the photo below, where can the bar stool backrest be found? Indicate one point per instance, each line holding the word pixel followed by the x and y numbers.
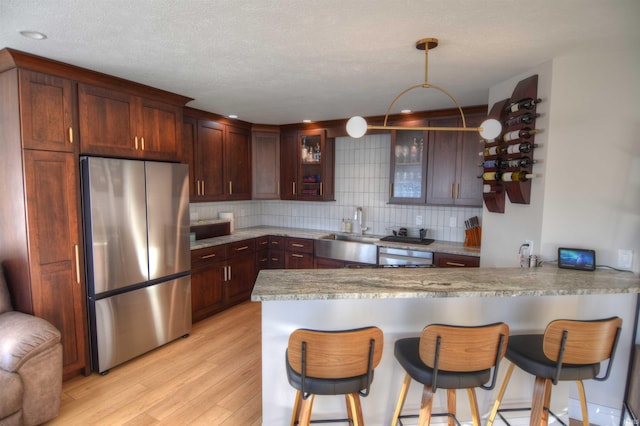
pixel 463 349
pixel 335 354
pixel 586 342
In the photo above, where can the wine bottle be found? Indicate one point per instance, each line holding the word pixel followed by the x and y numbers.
pixel 490 176
pixel 520 162
pixel 527 118
pixel 489 164
pixel 516 176
pixel 527 103
pixel 523 148
pixel 519 134
pixel 494 150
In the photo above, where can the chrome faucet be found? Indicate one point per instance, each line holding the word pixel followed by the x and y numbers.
pixel 358 218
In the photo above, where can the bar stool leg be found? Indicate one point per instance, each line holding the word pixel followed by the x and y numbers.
pixel 296 409
pixel 473 401
pixel 401 398
pixel 496 404
pixel 583 403
pixel 541 394
pixel 354 409
pixel 305 411
pixel 425 406
pixel 451 406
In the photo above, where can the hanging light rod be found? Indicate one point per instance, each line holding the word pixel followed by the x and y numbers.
pixel 489 129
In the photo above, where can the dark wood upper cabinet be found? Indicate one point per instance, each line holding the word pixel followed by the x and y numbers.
pixel 265 150
pixel 47 105
pixel 220 158
pixel 118 124
pixel 307 166
pixel 454 165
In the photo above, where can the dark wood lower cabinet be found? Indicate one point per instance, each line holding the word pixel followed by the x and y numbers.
pixel 446 260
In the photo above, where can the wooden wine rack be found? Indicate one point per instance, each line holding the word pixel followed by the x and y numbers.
pixel 518 192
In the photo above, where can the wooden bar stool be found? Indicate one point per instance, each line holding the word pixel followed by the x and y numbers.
pixel 450 357
pixel 332 363
pixel 568 350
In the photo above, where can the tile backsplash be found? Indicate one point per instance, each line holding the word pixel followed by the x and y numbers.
pixel 361 179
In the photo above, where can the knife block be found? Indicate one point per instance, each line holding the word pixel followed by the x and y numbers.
pixel 473 237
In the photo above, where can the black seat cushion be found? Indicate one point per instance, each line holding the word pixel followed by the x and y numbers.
pixel 408 355
pixel 318 386
pixel 525 351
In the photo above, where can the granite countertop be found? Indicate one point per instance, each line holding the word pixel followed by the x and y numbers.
pixel 402 283
pixel 260 231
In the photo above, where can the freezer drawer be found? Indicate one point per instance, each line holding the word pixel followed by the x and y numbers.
pixel 132 323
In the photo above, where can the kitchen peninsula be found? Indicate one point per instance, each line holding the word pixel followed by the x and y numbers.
pixel 402 301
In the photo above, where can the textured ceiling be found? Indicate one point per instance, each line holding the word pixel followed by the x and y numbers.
pixel 282 61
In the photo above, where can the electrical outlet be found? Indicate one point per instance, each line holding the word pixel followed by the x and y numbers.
pixel 625 259
pixel 453 222
pixel 418 220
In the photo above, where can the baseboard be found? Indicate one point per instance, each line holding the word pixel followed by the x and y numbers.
pixel 598 414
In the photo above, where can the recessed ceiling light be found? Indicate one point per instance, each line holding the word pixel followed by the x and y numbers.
pixel 35 35
pixel 405 111
pixel 306 121
pixel 232 116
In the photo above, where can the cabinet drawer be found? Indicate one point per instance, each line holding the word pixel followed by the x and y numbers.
pixel 298 261
pixel 300 245
pixel 276 243
pixel 262 243
pixel 206 255
pixel 241 247
pixel 445 260
pixel 276 259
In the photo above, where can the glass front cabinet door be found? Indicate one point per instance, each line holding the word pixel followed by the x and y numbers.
pixel 408 166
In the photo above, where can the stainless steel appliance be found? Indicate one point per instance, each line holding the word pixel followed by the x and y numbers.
pixel 404 257
pixel 136 228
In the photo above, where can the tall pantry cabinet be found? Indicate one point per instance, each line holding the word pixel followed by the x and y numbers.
pixel 41 247
pixel 42 118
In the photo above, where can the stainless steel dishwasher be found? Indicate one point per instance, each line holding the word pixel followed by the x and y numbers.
pixel 404 257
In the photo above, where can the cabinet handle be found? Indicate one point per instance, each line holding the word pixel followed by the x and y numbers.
pixel 275 259
pixel 296 255
pixel 457 191
pixel 225 273
pixel 70 134
pixel 275 243
pixel 297 245
pixel 203 191
pixel 77 265
pixel 294 188
pixel 454 264
pixel 241 248
pixel 208 256
pixel 452 185
pixel 136 142
pixel 278 190
pixel 390 190
pixel 198 187
pixel 321 189
pixel 142 143
pixel 264 243
pixel 230 188
pixel 229 272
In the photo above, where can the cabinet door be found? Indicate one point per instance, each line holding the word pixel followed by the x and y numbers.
pixel 408 167
pixel 54 249
pixel 207 290
pixel 237 153
pixel 295 260
pixel 443 157
pixel 189 131
pixel 265 151
pixel 106 119
pixel 241 277
pixel 288 166
pixel 209 168
pixel 312 157
pixel 46 104
pixel 159 130
pixel 469 190
pixel 446 260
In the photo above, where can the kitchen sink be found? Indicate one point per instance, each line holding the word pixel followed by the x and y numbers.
pixel 364 239
pixel 350 248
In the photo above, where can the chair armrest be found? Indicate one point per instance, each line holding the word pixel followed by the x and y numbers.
pixel 22 337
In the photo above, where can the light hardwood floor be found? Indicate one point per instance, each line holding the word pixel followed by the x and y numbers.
pixel 212 377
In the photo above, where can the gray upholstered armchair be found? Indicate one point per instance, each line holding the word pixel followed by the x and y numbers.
pixel 30 366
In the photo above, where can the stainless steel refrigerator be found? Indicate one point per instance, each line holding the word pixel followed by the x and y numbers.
pixel 136 229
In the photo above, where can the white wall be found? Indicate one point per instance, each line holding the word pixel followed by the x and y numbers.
pixel 589 193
